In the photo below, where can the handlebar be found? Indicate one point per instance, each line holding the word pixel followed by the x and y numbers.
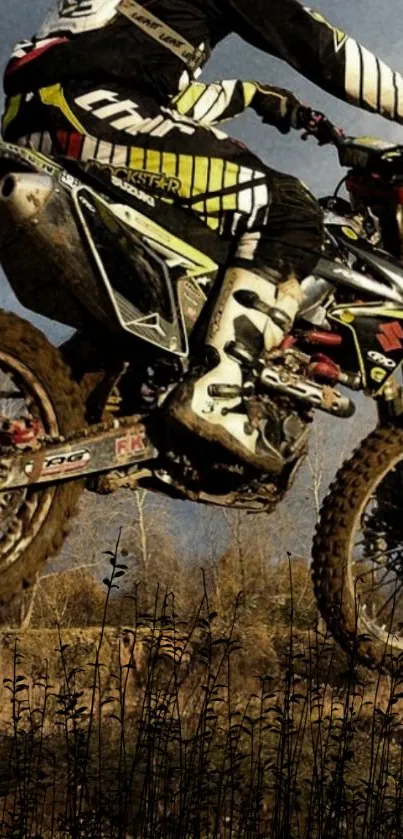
pixel 369 153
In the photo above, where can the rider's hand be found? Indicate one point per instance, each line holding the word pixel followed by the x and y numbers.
pixel 278 107
pixel 314 124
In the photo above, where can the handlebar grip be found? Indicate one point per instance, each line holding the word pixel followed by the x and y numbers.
pixel 319 126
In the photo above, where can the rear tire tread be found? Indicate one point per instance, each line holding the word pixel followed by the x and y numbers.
pixel 22 340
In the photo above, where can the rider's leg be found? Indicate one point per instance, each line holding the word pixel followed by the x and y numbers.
pixel 256 307
pixel 273 218
pixel 213 405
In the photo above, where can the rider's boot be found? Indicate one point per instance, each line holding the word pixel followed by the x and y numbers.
pixel 250 316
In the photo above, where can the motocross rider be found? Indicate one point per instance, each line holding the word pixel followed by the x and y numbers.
pixel 115 81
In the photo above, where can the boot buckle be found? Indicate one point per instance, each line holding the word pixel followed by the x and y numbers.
pixel 228 391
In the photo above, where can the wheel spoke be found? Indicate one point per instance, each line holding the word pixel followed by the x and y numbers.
pixel 5 394
pixel 385 503
pixel 380 523
pixel 389 600
pixel 384 582
pixel 372 557
pixel 364 541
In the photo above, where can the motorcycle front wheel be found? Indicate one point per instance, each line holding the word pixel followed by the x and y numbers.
pixel 357 566
pixel 35 386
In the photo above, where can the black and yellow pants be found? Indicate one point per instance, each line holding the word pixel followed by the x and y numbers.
pixel 274 219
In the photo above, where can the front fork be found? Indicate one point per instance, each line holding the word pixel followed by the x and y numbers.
pixel 390 403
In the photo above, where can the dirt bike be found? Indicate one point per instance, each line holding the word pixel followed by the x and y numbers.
pixel 86 246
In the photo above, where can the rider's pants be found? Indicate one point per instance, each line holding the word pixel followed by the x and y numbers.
pixel 273 218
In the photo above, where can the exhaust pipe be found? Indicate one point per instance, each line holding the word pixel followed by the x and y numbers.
pixel 42 251
pixel 25 194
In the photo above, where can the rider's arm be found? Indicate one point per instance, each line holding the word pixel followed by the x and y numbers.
pixel 220 101
pixel 216 102
pixel 321 52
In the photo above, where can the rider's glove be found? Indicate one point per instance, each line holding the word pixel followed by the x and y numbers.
pixel 279 107
pixel 282 109
pixel 315 124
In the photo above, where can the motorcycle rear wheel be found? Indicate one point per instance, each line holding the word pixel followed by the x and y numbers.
pixel 357 567
pixel 34 523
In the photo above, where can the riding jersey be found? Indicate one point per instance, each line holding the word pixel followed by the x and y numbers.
pixel 91 40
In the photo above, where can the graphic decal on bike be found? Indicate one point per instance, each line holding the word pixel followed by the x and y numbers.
pixel 61 463
pixel 386 363
pixel 373 326
pixel 390 336
pixel 130 444
pixel 124 177
pixel 378 375
pixel 145 302
pixel 38 162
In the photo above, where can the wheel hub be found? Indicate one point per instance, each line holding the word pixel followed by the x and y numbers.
pixel 21 433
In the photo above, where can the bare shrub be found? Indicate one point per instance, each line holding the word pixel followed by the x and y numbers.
pixel 198 753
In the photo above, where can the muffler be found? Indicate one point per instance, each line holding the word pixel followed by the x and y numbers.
pixel 24 194
pixel 42 252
